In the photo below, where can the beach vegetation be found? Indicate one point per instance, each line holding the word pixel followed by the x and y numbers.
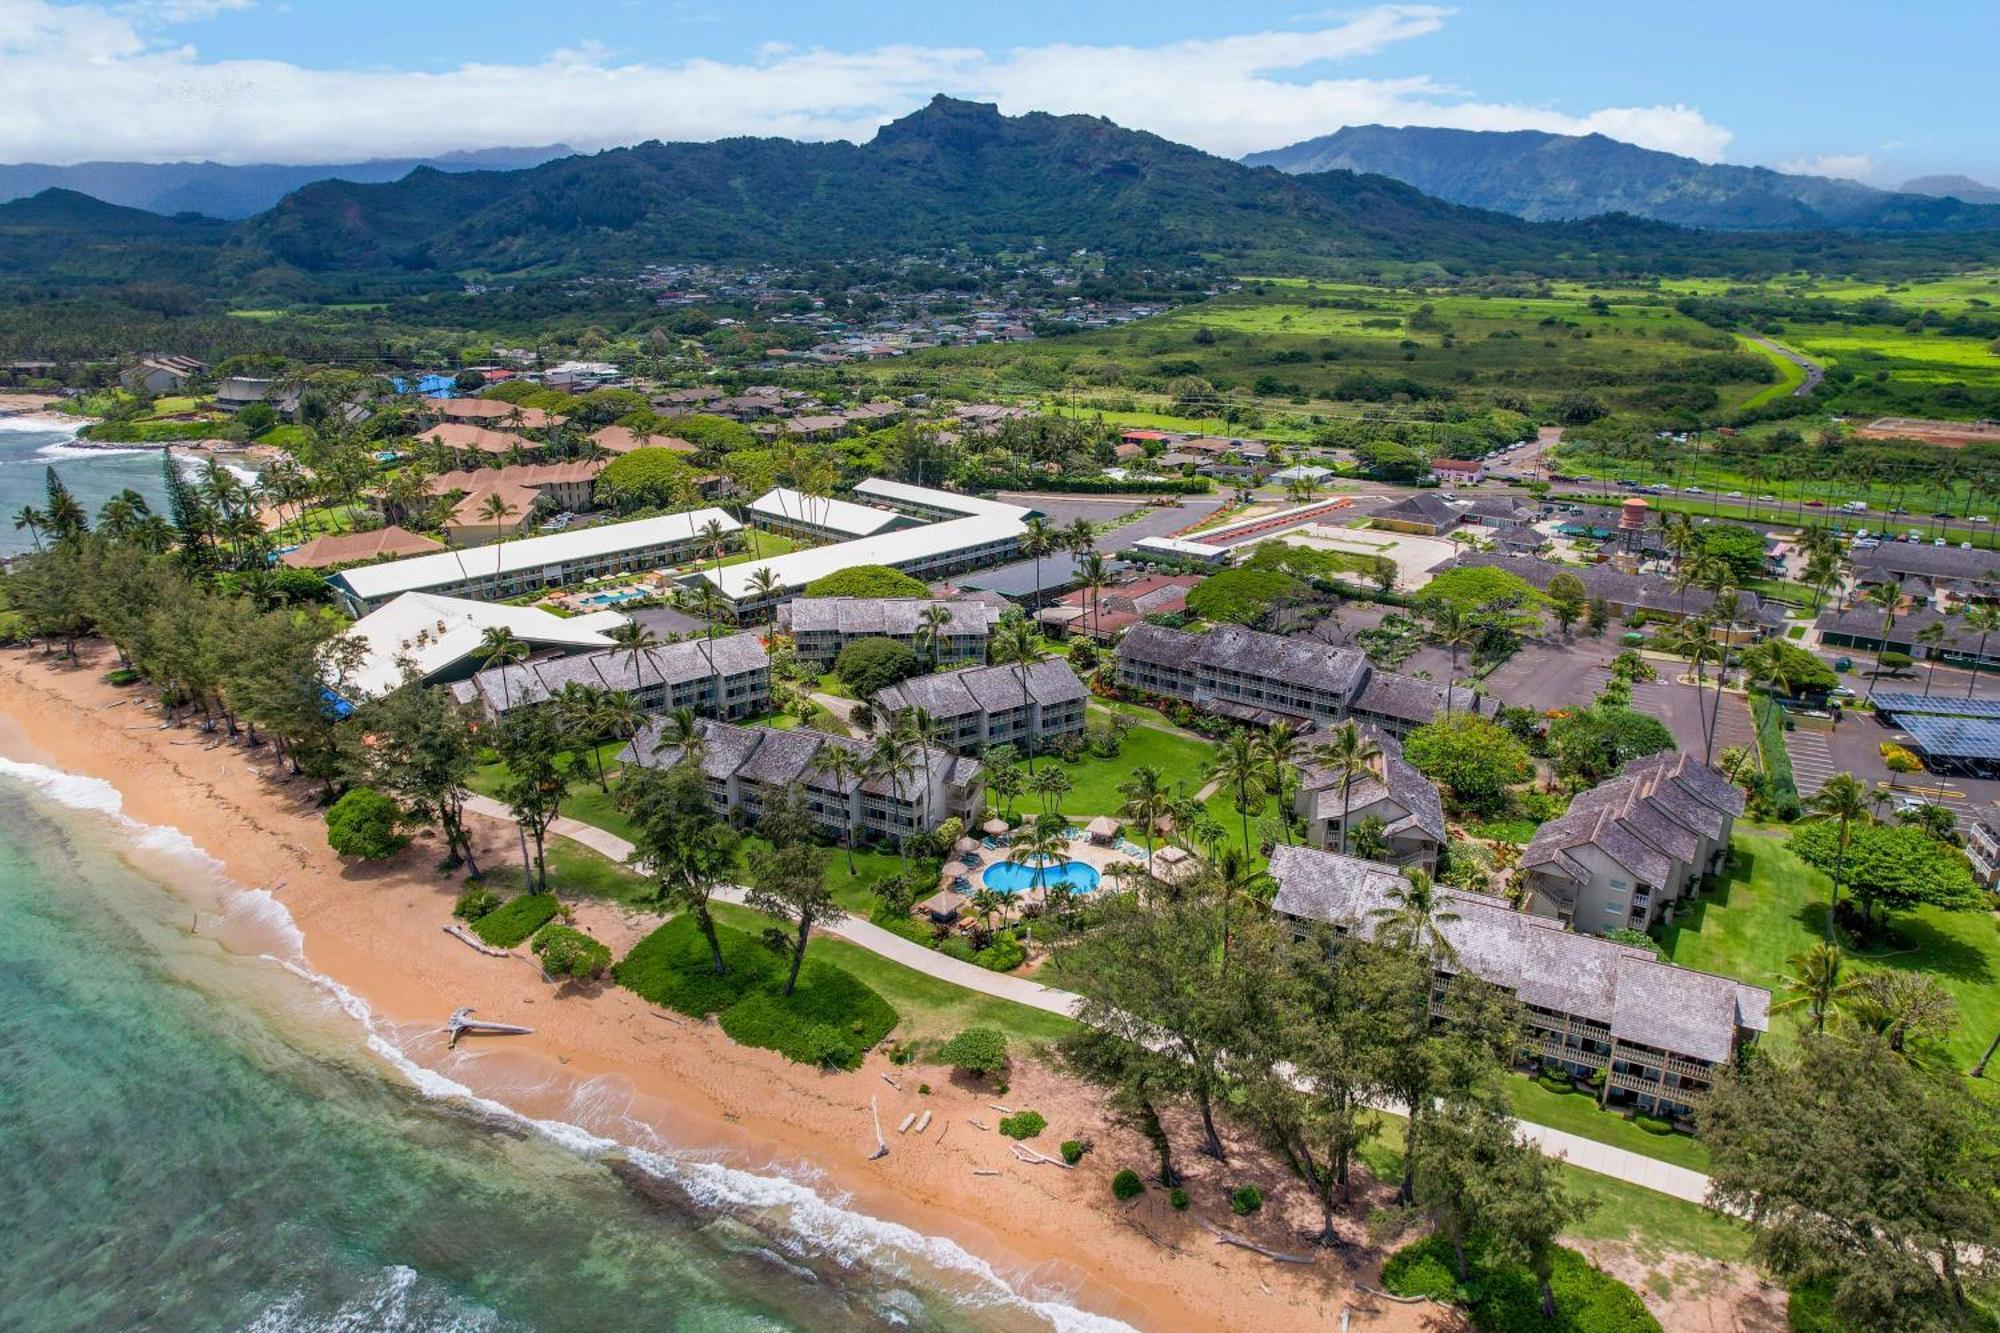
pixel 516 919
pixel 691 852
pixel 540 771
pixel 1245 1200
pixel 1023 1124
pixel 830 1019
pixel 364 824
pixel 1503 1297
pixel 423 751
pixel 976 1051
pixel 1127 1185
pixel 568 952
pixel 788 878
pixel 1178 1197
pixel 1072 1150
pixel 476 902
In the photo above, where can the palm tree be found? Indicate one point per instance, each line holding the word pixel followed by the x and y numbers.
pixel 1452 628
pixel 1350 753
pixel 1095 576
pixel 891 759
pixel 1843 798
pixel 1079 536
pixel 987 903
pixel 618 715
pixel 1281 747
pixel 932 622
pixel 1813 983
pixel 635 641
pixel 843 766
pixel 1932 636
pixel 1414 917
pixel 1694 638
pixel 1036 542
pixel 1982 618
pixel 1050 784
pixel 1039 846
pixel 497 509
pixel 1239 766
pixel 764 583
pixel 34 520
pixel 498 647
pixel 926 732
pixel 1146 800
pixel 1887 597
pixel 681 728
pixel 1014 644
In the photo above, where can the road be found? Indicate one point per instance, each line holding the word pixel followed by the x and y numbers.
pixel 1814 371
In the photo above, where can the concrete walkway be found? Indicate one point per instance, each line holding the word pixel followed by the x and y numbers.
pixel 1589 1154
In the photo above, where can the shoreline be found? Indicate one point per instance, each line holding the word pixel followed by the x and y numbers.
pixel 607 1062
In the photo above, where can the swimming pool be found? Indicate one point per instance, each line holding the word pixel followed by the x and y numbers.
pixel 1007 877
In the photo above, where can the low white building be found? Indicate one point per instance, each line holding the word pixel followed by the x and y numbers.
pixel 437 639
pixel 822 518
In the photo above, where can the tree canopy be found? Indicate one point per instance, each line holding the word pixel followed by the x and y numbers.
pixel 868 665
pixel 1246 595
pixel 1891 867
pixel 1591 744
pixel 867 581
pixel 649 477
pixel 1473 758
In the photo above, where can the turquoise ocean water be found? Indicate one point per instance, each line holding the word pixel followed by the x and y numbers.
pixel 196 1133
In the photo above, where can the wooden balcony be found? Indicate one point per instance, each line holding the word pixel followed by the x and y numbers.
pixel 1652 1088
pixel 1554 1049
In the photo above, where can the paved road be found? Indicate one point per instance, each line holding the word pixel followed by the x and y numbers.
pixel 1814 371
pixel 1589 1154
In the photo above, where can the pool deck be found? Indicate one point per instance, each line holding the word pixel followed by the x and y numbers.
pixel 1098 858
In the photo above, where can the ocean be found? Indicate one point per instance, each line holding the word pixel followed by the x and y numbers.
pixel 30 445
pixel 199 1133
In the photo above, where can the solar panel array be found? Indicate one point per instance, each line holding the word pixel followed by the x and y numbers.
pixel 1954 737
pixel 1916 705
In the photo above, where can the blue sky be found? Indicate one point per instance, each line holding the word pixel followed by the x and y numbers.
pixel 1875 91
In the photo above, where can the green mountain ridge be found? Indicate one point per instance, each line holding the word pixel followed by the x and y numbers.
pixel 1551 177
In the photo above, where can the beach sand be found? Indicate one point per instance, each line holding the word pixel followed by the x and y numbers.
pixel 600 1054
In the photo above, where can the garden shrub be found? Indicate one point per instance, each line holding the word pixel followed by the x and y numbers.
pixel 363 824
pixel 1507 1300
pixel 567 952
pixel 1127 1185
pixel 122 676
pixel 867 581
pixel 976 1051
pixel 1653 1124
pixel 1023 1124
pixel 1898 759
pixel 1004 955
pixel 1178 1198
pixel 960 948
pixel 1246 1200
pixel 1072 1151
pixel 868 665
pixel 475 902
pixel 515 920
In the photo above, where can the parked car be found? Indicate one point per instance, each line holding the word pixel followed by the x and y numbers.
pixel 1979 518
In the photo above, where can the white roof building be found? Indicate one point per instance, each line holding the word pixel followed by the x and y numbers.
pixel 823 515
pixel 1180 548
pixel 438 638
pixel 507 569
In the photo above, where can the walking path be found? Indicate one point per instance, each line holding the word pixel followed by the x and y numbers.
pixel 1589 1154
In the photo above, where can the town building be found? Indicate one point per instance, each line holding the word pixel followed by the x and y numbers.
pixel 822 518
pixel 1458 471
pixel 437 640
pixel 728 676
pixel 1865 627
pixel 493 412
pixel 1625 594
pixel 353 548
pixel 1630 849
pixel 473 522
pixel 623 440
pixel 1659 1033
pixel 511 569
pixel 1265 678
pixel 1027 707
pixel 821 626
pixel 463 437
pixel 1944 575
pixel 747 767
pixel 1391 791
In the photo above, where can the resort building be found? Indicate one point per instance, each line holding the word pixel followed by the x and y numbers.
pixel 463 437
pixel 1113 610
pixel 1631 848
pixel 494 412
pixel 471 521
pixel 1624 594
pixel 1411 814
pixel 821 626
pixel 1863 627
pixel 1946 575
pixel 971 533
pixel 821 518
pixel 511 569
pixel 352 548
pixel 1026 707
pixel 747 767
pixel 694 673
pixel 623 440
pixel 1265 678
pixel 569 485
pixel 1658 1032
pixel 437 640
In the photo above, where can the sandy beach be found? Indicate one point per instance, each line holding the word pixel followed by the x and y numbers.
pixel 601 1056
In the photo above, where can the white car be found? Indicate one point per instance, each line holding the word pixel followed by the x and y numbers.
pixel 1979 518
pixel 1736 495
pixel 1693 490
pixel 1767 499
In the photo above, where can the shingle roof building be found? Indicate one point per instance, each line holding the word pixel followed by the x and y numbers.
pixel 985 705
pixel 675 675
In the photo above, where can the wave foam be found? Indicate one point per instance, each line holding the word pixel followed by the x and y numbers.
pixel 60 451
pixel 821 1224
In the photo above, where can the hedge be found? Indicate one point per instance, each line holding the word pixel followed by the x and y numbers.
pixel 832 1019
pixel 1096 485
pixel 567 952
pixel 1770 721
pixel 1507 1300
pixel 515 920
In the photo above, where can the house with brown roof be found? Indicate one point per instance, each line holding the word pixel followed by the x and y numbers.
pixel 1630 849
pixel 353 548
pixel 1390 790
pixel 1658 1033
pixel 161 374
pixel 623 440
pixel 471 523
pixel 1119 607
pixel 492 412
pixel 1460 471
pixel 464 438
pixel 567 485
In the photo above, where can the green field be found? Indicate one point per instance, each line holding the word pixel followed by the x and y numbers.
pixel 1790 374
pixel 1772 905
pixel 1948 294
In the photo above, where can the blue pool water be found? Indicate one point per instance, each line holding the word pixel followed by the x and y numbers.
pixel 1007 877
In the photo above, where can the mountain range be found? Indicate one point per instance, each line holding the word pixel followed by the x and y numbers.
pixel 952 177
pixel 1953 187
pixel 221 191
pixel 1546 177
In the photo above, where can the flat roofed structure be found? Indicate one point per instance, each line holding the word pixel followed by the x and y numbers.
pixel 930 502
pixel 1180 548
pixel 822 517
pixel 1936 705
pixel 438 639
pixel 1955 744
pixel 508 569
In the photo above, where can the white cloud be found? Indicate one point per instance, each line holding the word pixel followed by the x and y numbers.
pixel 85 81
pixel 1842 166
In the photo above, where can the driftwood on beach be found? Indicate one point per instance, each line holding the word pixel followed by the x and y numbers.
pixel 459 1026
pixel 464 936
pixel 1226 1238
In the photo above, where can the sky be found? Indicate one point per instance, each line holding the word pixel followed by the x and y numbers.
pixel 1854 88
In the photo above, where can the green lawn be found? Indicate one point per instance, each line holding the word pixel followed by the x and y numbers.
pixel 1772 905
pixel 1578 1113
pixel 1094 782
